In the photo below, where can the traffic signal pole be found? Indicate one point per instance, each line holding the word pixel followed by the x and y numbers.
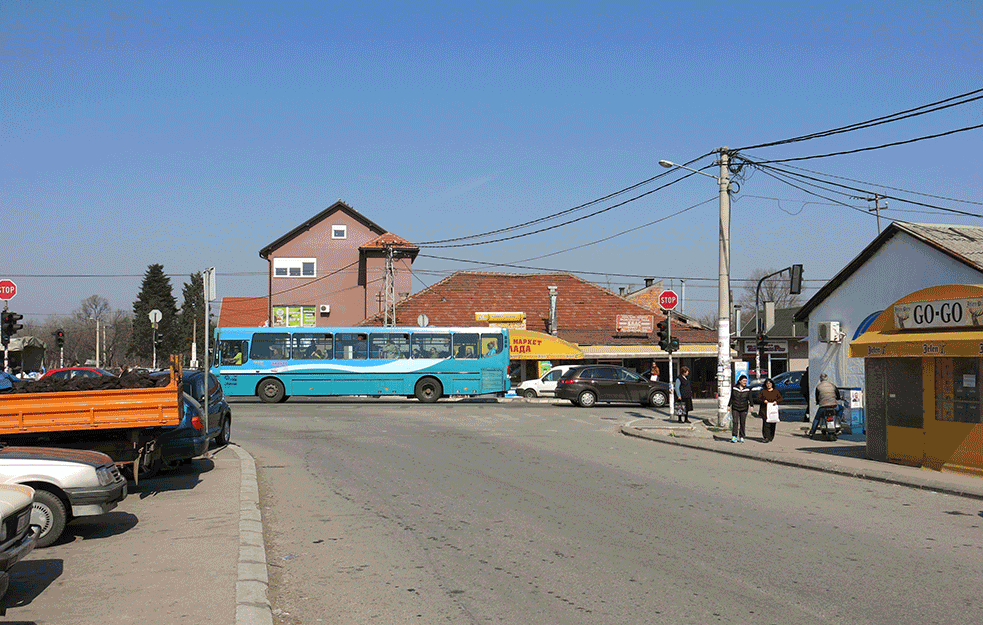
pixel 672 380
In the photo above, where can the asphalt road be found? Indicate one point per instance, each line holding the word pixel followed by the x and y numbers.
pixel 381 511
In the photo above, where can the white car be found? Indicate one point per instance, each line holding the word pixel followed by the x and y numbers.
pixel 17 535
pixel 544 386
pixel 67 483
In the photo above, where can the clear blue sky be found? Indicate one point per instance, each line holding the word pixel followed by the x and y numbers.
pixel 192 134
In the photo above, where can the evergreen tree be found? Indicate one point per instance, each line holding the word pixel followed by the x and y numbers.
pixel 155 292
pixel 193 316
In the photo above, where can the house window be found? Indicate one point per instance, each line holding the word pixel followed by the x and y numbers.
pixel 339 232
pixel 295 267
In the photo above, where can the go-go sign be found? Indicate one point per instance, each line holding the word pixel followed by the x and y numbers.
pixel 7 289
pixel 951 313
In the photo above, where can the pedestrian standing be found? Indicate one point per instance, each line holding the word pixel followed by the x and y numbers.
pixel 740 403
pixel 769 396
pixel 684 393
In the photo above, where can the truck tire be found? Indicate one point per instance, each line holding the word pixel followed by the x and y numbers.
pixel 225 434
pixel 48 511
pixel 428 390
pixel 271 391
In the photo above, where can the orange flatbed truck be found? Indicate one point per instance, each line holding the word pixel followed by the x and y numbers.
pixel 122 423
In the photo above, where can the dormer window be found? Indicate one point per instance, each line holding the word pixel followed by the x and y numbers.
pixel 339 232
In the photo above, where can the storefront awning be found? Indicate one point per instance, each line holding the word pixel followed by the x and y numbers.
pixel 530 345
pixel 875 344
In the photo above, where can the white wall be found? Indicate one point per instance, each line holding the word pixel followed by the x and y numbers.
pixel 901 266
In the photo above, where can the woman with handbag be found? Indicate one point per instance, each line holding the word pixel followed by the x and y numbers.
pixel 769 398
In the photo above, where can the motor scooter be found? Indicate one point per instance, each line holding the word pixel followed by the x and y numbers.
pixel 830 422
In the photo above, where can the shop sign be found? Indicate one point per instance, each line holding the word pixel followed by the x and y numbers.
pixel 771 347
pixel 635 323
pixel 511 320
pixel 949 313
pixel 522 345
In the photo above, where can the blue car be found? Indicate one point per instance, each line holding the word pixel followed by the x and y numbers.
pixel 788 384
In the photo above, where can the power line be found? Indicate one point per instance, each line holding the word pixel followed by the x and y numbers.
pixel 874 147
pixel 554 215
pixel 940 105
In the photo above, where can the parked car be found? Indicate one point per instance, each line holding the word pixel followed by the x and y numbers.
pixel 788 384
pixel 219 427
pixel 70 373
pixel 544 386
pixel 180 443
pixel 67 483
pixel 17 535
pixel 585 385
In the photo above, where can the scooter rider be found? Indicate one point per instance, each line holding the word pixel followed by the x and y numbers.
pixel 827 397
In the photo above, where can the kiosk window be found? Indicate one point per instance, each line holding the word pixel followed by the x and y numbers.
pixel 957 390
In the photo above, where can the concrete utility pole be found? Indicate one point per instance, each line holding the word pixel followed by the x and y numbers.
pixel 723 294
pixel 389 316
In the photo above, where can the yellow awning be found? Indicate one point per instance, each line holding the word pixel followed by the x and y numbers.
pixel 877 344
pixel 686 350
pixel 530 345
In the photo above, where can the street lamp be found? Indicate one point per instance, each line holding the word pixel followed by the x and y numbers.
pixel 96 319
pixel 723 283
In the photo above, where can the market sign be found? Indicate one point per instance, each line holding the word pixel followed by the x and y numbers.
pixel 948 313
pixel 635 323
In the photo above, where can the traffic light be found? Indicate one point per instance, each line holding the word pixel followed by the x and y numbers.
pixel 673 345
pixel 10 325
pixel 60 338
pixel 158 339
pixel 762 340
pixel 796 286
pixel 663 335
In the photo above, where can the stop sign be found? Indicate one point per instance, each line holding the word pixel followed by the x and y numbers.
pixel 668 299
pixel 7 289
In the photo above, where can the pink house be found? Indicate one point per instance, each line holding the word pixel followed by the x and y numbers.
pixel 330 270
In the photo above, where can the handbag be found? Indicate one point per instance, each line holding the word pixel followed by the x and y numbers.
pixel 680 410
pixel 771 416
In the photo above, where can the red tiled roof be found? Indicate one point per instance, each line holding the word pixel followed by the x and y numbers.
pixel 586 312
pixel 388 238
pixel 243 312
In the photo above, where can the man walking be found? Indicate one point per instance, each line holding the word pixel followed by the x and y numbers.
pixel 827 397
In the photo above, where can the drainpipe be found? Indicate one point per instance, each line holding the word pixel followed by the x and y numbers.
pixel 553 324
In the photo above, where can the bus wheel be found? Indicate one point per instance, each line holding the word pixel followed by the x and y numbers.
pixel 428 390
pixel 271 390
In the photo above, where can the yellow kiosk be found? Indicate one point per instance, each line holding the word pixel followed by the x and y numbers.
pixel 922 363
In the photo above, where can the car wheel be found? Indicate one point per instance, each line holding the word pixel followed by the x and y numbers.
pixel 428 390
pixel 529 393
pixel 587 399
pixel 658 399
pixel 225 435
pixel 48 512
pixel 271 391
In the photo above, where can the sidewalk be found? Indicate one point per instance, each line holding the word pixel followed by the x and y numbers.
pixel 793 447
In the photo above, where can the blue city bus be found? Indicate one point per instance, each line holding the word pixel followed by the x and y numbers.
pixel 426 363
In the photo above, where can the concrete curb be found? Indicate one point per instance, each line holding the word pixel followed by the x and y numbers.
pixel 871 473
pixel 252 602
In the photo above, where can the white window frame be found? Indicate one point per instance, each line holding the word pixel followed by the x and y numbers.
pixel 286 264
pixel 339 231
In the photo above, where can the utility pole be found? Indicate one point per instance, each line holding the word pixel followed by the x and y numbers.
pixel 877 209
pixel 389 316
pixel 723 294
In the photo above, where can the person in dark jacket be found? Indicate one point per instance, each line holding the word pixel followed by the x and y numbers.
pixel 740 403
pixel 768 395
pixel 684 393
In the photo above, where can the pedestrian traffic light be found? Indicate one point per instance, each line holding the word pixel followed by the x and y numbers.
pixel 60 338
pixel 663 335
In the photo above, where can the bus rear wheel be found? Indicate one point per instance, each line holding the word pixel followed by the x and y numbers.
pixel 271 391
pixel 428 390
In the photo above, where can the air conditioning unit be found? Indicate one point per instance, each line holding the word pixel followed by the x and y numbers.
pixel 829 332
pixel 325 309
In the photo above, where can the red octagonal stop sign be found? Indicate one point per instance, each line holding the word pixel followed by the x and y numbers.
pixel 668 299
pixel 7 289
